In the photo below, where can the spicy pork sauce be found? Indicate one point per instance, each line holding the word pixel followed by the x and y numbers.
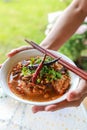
pixel 52 82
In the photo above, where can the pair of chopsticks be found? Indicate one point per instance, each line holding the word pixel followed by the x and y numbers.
pixel 69 66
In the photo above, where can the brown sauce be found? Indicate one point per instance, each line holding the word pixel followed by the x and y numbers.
pixel 52 82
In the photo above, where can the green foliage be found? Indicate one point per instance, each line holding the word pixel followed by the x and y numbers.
pixel 21 19
pixel 75 49
pixel 84 63
pixel 74 46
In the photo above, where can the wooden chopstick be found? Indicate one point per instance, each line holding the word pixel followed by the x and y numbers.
pixel 69 66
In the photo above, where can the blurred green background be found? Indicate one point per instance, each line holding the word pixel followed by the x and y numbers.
pixel 21 19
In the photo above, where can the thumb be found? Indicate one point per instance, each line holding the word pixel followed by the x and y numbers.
pixel 78 93
pixel 17 50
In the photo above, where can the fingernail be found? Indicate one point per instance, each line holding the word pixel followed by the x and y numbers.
pixel 50 108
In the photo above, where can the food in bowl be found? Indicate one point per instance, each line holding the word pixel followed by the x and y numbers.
pixel 51 83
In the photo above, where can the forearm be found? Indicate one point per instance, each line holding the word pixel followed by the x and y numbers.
pixel 65 26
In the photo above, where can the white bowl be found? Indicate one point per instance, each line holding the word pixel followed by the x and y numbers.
pixel 10 62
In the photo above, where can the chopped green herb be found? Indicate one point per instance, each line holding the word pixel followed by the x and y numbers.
pixel 38 61
pixel 48 58
pixel 50 73
pixel 38 80
pixel 26 71
pixel 32 60
pixel 46 72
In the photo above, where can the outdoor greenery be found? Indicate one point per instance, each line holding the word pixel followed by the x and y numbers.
pixel 74 47
pixel 76 50
pixel 21 19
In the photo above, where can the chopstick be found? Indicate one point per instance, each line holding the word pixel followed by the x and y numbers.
pixel 69 66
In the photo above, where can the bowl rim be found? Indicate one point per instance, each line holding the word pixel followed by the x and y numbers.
pixel 11 94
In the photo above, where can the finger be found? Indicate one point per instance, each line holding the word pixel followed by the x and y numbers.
pixel 52 108
pixel 15 51
pixel 65 104
pixel 58 106
pixel 36 109
pixel 79 92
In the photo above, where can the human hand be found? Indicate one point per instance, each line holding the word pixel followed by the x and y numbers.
pixel 74 99
pixel 17 50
